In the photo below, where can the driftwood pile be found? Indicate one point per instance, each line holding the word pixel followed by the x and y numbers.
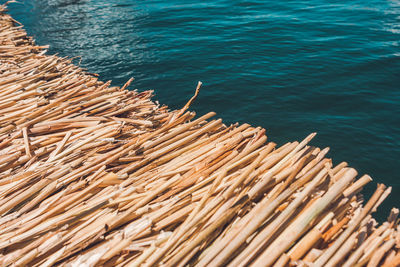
pixel 92 174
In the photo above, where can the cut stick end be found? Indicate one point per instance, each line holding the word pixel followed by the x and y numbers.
pixel 311 136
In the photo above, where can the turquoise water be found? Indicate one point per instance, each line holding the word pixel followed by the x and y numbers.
pixel 292 67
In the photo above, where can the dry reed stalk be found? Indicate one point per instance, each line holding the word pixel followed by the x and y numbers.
pixel 379 253
pixel 267 232
pixel 309 240
pixel 352 226
pixel 295 228
pixel 95 174
pixel 354 257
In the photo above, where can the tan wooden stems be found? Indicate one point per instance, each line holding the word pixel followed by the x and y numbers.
pixel 96 175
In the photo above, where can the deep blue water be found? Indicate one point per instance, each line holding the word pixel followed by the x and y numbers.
pixel 292 67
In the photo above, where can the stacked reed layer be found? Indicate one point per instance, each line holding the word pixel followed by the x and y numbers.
pixel 92 174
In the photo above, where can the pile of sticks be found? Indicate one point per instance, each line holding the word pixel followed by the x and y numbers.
pixel 92 174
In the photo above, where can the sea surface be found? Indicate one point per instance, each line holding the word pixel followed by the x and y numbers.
pixel 292 67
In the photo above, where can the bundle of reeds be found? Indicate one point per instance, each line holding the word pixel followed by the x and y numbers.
pixel 92 174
